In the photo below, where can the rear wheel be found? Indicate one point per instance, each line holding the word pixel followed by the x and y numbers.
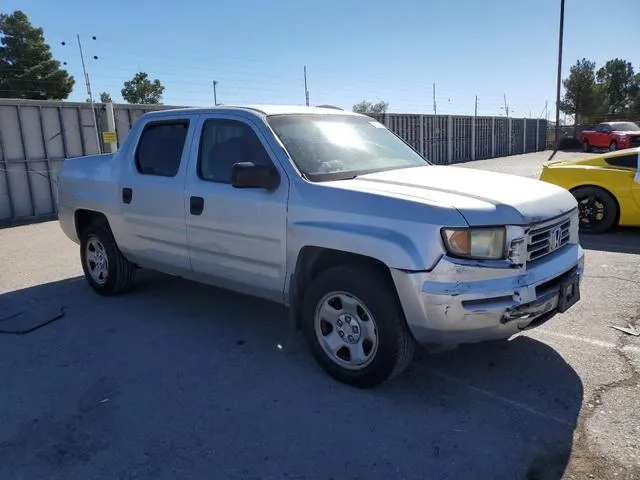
pixel 585 146
pixel 613 146
pixel 355 326
pixel 105 268
pixel 597 208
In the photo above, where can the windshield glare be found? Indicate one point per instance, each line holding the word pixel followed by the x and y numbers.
pixel 335 147
pixel 625 127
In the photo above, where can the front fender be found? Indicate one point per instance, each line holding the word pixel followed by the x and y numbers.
pixel 419 248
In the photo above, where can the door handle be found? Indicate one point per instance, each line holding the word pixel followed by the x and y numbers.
pixel 196 205
pixel 127 195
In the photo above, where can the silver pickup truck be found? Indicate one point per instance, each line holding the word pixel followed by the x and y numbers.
pixel 371 247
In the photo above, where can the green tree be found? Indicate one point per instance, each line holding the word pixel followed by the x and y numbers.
pixel 634 111
pixel 618 84
pixel 142 90
pixel 368 107
pixel 27 67
pixel 104 98
pixel 581 98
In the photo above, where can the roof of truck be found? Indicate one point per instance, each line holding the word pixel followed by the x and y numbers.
pixel 261 109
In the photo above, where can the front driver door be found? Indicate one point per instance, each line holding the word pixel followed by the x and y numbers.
pixel 236 236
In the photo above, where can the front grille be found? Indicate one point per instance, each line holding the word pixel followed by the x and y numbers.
pixel 634 140
pixel 548 237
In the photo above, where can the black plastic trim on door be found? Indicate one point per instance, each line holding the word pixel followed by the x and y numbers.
pixel 196 205
pixel 127 195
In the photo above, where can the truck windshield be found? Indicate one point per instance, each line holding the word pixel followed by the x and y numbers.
pixel 338 147
pixel 625 127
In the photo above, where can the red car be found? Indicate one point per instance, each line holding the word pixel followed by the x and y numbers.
pixel 611 135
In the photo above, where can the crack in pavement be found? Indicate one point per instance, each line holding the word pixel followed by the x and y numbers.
pixel 613 277
pixel 586 460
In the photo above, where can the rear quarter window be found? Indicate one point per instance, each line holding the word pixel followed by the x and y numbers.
pixel 626 161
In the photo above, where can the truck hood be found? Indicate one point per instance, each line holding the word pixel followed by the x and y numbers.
pixel 482 197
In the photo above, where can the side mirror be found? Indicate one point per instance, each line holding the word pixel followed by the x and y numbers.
pixel 250 175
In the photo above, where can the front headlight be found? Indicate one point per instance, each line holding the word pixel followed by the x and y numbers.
pixel 475 243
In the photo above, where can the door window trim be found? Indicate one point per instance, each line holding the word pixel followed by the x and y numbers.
pixel 242 122
pixel 153 123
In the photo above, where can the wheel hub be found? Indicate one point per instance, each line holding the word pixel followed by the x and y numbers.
pixel 348 328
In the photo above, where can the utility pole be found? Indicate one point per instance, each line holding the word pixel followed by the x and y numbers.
pixel 435 110
pixel 88 85
pixel 560 34
pixel 215 92
pixel 306 91
pixel 506 107
pixel 476 110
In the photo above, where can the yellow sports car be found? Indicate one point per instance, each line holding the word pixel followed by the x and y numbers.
pixel 607 187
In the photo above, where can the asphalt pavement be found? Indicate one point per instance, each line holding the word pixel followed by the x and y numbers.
pixel 177 380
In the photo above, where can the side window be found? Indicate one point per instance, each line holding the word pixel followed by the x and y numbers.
pixel 160 148
pixel 627 161
pixel 225 142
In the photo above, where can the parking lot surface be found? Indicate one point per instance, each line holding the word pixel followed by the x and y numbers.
pixel 177 380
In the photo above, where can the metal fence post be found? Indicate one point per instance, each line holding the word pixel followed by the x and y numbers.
pixel 386 120
pixel 493 137
pixel 54 204
pixel 111 125
pixel 473 138
pixel 524 135
pixel 3 162
pixel 26 160
pixel 537 135
pixel 508 136
pixel 449 139
pixel 422 135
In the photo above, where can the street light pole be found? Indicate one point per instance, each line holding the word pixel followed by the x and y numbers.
pixel 215 92
pixel 557 128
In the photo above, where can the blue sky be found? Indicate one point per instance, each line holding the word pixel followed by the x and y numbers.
pixel 353 49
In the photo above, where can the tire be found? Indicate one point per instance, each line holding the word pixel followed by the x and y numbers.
pixel 363 297
pixel 613 146
pixel 590 198
pixel 586 147
pixel 117 273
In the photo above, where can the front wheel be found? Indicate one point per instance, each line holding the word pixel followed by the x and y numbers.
pixel 105 268
pixel 597 209
pixel 355 326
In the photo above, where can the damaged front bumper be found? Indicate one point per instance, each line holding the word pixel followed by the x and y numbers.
pixel 465 302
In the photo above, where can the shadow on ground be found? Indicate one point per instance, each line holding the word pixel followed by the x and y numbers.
pixel 619 240
pixel 180 380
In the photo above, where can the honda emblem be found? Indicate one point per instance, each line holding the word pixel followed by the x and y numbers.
pixel 555 237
